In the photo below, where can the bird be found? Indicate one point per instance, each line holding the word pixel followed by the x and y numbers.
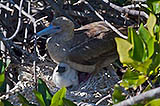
pixel 86 49
pixel 64 75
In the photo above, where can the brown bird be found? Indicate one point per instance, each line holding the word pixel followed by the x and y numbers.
pixel 86 49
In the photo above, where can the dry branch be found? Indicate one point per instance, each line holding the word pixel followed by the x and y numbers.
pixel 151 94
pixel 126 10
pixel 111 26
pixel 60 11
pixel 19 23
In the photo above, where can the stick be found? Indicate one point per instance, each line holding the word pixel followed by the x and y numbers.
pixel 153 93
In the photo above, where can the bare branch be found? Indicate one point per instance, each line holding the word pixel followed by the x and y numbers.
pixel 153 93
pixel 134 6
pixel 60 11
pixel 108 96
pixel 126 10
pixel 111 26
pixel 19 23
pixel 8 46
pixel 6 7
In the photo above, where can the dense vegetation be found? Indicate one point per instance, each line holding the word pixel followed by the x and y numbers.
pixel 139 54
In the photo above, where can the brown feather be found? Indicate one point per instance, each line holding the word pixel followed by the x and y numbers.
pixel 89 48
pixel 97 43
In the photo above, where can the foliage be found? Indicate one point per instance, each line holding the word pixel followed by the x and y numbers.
pixel 44 93
pixel 3 67
pixel 154 6
pixel 5 103
pixel 141 54
pixel 24 101
pixel 57 99
pixel 45 98
pixel 2 77
pixel 154 102
pixel 117 95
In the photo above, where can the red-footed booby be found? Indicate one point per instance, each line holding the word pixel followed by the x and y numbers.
pixel 86 49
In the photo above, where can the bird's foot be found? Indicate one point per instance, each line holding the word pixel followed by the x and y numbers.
pixel 82 76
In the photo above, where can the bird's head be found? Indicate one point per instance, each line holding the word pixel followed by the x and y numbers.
pixel 60 25
pixel 62 68
pixel 64 75
pixel 64 23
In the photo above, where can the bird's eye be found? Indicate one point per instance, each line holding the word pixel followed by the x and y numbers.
pixel 58 27
pixel 61 69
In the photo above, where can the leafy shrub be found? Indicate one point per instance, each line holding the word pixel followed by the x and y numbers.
pixel 45 98
pixel 141 54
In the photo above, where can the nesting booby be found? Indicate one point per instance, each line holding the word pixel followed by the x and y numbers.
pixel 86 49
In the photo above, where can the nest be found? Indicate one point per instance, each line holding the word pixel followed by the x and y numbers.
pixel 96 90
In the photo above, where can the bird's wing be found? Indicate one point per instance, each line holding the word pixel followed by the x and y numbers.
pixel 93 42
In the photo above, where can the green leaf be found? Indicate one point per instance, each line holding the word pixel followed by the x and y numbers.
pixel 150 46
pixel 68 102
pixel 155 59
pixel 43 89
pixel 39 98
pixel 147 88
pixel 3 87
pixel 144 33
pixel 139 104
pixel 141 80
pixel 154 5
pixel 151 23
pixel 156 28
pixel 132 79
pixel 2 66
pixel 6 103
pixel 1 103
pixel 2 78
pixel 117 95
pixel 143 67
pixel 123 47
pixel 158 36
pixel 154 102
pixel 23 100
pixel 148 40
pixel 57 99
pixel 138 51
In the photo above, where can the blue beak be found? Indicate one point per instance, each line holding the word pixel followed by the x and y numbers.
pixel 49 30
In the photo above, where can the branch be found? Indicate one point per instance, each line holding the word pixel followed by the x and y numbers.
pixel 19 23
pixel 134 6
pixel 111 26
pixel 153 93
pixel 6 7
pixel 85 104
pixel 104 98
pixel 8 46
pixel 24 13
pixel 126 10
pixel 60 11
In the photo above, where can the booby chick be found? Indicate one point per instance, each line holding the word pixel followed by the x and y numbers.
pixel 86 49
pixel 63 75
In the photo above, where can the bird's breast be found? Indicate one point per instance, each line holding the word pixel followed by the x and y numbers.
pixel 57 50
